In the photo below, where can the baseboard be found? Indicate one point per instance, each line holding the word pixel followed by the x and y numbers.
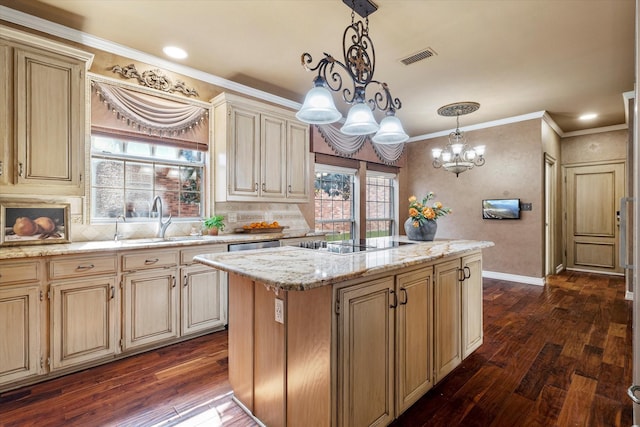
pixel 628 295
pixel 537 281
pixel 586 270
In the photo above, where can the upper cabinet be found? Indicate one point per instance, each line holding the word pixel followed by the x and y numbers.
pixel 261 152
pixel 43 99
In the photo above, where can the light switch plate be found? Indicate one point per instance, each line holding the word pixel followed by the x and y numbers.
pixel 526 206
pixel 279 310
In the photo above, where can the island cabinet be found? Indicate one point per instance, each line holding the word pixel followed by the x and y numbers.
pixel 261 152
pixel 43 111
pixel 21 313
pixel 84 314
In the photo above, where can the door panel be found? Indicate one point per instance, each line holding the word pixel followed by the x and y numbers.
pixel 593 195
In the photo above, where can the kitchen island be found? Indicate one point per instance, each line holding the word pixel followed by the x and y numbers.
pixel 333 339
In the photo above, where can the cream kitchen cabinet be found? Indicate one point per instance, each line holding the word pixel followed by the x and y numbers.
pixel 458 311
pixel 84 314
pixel 150 296
pixel 43 98
pixel 203 294
pixel 261 152
pixel 21 306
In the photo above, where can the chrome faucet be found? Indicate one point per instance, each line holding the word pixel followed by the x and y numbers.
pixel 116 236
pixel 162 226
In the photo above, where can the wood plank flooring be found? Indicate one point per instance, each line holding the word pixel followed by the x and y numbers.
pixel 555 355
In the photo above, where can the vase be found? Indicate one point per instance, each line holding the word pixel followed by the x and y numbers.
pixel 425 232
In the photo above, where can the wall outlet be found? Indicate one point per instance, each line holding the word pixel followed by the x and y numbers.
pixel 232 217
pixel 279 310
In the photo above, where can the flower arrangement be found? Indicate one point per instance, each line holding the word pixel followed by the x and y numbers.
pixel 419 212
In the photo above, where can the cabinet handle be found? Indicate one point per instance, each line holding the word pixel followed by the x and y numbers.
pixel 406 296
pixel 256 188
pixel 20 170
pixel 460 275
pixel 467 272
pixel 85 267
pixel 174 281
pixel 395 299
pixel 151 261
pixel 264 186
pixel 113 292
pixel 289 188
pixel 186 282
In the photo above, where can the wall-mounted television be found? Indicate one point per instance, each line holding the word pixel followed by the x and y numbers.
pixel 501 209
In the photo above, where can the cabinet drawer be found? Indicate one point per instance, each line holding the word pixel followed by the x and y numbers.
pixel 82 266
pixel 186 255
pixel 19 272
pixel 149 259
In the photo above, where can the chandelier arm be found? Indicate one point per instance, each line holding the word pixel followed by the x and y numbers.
pixel 359 53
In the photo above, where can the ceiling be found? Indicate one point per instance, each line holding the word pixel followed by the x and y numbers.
pixel 514 57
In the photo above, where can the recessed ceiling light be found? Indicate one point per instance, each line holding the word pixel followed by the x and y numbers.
pixel 588 116
pixel 175 52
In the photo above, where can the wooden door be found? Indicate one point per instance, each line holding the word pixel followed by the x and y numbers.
pixel 298 162
pixel 414 337
pixel 472 333
pixel 150 307
pixel 83 321
pixel 273 156
pixel 243 154
pixel 365 368
pixel 202 305
pixel 447 315
pixel 19 333
pixel 593 196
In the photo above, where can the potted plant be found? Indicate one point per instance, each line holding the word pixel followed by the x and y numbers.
pixel 421 224
pixel 214 224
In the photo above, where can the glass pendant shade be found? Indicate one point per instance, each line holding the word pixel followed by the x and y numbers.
pixel 390 132
pixel 360 121
pixel 318 107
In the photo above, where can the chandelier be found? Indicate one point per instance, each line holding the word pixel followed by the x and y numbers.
pixel 359 66
pixel 457 157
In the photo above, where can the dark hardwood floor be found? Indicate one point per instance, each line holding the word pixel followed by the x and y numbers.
pixel 554 355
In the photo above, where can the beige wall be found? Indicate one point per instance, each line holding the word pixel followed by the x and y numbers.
pixel 596 147
pixel 514 169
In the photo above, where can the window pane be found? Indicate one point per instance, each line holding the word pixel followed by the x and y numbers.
pixel 107 173
pixel 334 205
pixel 138 149
pixel 107 145
pixel 380 206
pixel 106 203
pixel 138 203
pixel 167 178
pixel 139 175
pixel 166 152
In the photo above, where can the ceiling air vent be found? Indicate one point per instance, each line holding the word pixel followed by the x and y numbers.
pixel 423 54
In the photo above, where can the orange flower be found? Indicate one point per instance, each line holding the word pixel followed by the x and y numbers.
pixel 429 213
pixel 416 224
pixel 412 199
pixel 438 205
pixel 413 212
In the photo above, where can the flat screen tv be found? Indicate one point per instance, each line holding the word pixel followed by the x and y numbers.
pixel 501 209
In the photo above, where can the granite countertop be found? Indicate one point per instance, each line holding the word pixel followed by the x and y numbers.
pixel 27 251
pixel 292 268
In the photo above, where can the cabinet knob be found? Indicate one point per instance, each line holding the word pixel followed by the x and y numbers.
pixel 20 170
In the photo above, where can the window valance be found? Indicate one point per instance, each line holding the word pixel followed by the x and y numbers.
pixel 117 110
pixel 348 145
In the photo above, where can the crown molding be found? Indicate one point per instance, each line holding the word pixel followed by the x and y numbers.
pixel 595 130
pixel 48 27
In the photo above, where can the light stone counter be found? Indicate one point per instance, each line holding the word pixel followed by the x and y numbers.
pixel 26 251
pixel 292 268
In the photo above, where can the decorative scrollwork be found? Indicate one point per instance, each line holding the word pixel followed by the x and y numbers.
pixel 155 79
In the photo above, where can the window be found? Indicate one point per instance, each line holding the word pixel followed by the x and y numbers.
pixel 380 204
pixel 335 207
pixel 127 175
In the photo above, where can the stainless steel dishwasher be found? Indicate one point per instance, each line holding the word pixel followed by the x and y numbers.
pixel 233 247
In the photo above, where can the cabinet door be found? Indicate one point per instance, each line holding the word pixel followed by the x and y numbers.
pixel 365 368
pixel 202 299
pixel 49 119
pixel 273 133
pixel 471 304
pixel 447 315
pixel 19 333
pixel 150 307
pixel 298 162
pixel 83 321
pixel 414 337
pixel 243 154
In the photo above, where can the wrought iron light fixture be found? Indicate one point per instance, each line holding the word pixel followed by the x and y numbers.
pixel 457 157
pixel 359 66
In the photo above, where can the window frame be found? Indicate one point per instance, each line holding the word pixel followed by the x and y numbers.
pixel 355 199
pixel 395 194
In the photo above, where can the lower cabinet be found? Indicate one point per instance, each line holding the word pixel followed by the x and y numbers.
pixel 448 317
pixel 83 321
pixel 20 356
pixel 471 304
pixel 202 299
pixel 150 307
